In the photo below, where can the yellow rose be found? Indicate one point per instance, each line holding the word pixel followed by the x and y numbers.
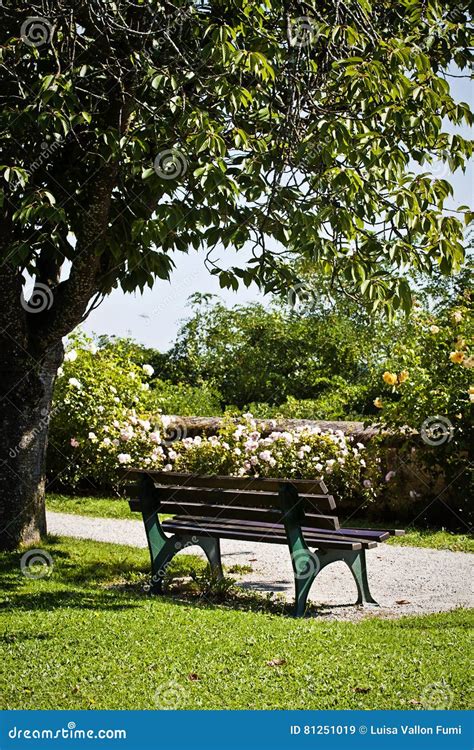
pixel 456 357
pixel 403 376
pixel 389 377
pixel 471 389
pixel 460 343
pixel 434 329
pixel 378 403
pixel 457 316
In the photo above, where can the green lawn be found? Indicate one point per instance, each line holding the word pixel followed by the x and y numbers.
pixel 106 507
pixel 99 507
pixel 87 636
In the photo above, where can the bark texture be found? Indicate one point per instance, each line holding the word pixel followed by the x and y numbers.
pixel 25 409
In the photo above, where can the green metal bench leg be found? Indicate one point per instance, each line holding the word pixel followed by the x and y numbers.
pixel 305 567
pixel 212 550
pixel 160 564
pixel 163 549
pixel 306 564
pixel 358 567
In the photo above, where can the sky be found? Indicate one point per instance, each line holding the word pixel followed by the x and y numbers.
pixel 155 317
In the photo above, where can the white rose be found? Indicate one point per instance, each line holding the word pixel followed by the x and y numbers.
pixel 75 383
pixel 148 370
pixel 70 356
pixel 124 458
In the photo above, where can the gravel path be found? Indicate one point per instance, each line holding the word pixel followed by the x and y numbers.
pixel 405 580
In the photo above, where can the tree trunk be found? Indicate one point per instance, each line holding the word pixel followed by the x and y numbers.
pixel 25 407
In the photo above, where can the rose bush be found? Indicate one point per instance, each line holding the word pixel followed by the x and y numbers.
pixel 101 416
pixel 242 449
pixel 426 386
pixel 429 371
pixel 102 420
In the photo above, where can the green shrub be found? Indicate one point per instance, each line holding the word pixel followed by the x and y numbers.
pixel 100 416
pixel 338 400
pixel 184 399
pixel 426 385
pixel 241 449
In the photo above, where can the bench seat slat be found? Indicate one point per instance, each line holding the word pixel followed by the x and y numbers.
pixel 268 532
pixel 239 512
pixel 386 532
pixel 268 528
pixel 256 484
pixel 243 498
pixel 379 535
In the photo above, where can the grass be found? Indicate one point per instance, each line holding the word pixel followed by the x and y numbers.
pixel 88 637
pixel 98 507
pixel 415 537
pixel 436 539
pixel 107 507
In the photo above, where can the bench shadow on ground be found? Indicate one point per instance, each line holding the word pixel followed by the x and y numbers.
pixel 89 582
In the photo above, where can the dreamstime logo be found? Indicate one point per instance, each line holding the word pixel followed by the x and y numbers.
pixel 36 31
pixel 437 697
pixel 174 27
pixel 437 430
pixel 439 169
pixel 302 31
pixel 301 297
pixel 160 574
pixel 457 15
pixel 47 150
pixel 305 563
pixel 170 164
pixel 41 299
pixel 43 424
pixel 174 431
pixel 169 696
pixel 36 563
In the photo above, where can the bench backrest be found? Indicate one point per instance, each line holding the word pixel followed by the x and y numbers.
pixel 243 498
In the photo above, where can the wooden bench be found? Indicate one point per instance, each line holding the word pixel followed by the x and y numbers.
pixel 299 513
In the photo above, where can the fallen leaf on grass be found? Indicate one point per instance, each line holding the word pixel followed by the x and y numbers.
pixel 402 601
pixel 361 690
pixel 193 677
pixel 414 702
pixel 276 662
